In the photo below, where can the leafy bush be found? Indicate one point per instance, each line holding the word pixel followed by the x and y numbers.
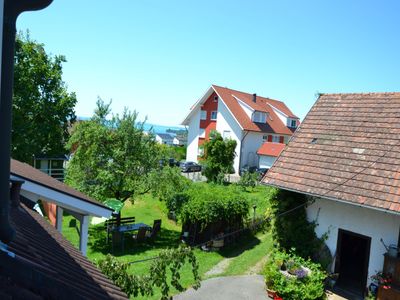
pixel 219 155
pixel 293 230
pixel 213 203
pixel 307 283
pixel 248 179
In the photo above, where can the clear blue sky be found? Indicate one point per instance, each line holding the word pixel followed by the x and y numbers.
pixel 159 57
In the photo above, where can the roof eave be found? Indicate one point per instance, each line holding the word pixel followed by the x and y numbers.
pixel 331 198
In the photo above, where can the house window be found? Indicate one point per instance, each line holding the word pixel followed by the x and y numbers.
pixel 292 123
pixel 213 115
pixel 275 139
pixel 203 115
pixel 259 117
pixel 226 134
pixel 215 98
pixel 202 133
pixel 200 151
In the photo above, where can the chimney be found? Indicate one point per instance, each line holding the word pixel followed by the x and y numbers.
pixel 254 97
pixel 15 190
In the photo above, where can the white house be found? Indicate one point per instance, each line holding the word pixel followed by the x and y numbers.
pixel 268 153
pixel 164 138
pixel 345 156
pixel 249 119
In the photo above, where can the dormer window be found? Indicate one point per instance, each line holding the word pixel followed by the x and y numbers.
pixel 292 123
pixel 259 117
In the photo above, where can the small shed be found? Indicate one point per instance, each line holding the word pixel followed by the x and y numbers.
pixel 267 154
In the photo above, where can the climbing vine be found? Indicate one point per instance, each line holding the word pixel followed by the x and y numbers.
pixel 168 260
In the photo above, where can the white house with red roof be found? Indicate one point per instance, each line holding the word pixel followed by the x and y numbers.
pixel 249 119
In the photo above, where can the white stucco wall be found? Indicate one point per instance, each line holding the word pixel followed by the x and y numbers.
pixel 193 136
pixel 251 144
pixel 266 161
pixel 225 121
pixel 332 215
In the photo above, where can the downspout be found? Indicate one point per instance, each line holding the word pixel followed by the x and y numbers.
pixel 241 148
pixel 11 10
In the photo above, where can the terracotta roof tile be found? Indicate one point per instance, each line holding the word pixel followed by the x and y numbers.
pixel 273 125
pixel 271 149
pixel 346 149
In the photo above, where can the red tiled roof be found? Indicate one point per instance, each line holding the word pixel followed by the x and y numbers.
pixel 347 149
pixel 41 250
pixel 274 124
pixel 271 149
pixel 29 173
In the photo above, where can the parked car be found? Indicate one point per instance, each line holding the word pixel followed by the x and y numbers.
pixel 247 169
pixel 190 166
pixel 261 172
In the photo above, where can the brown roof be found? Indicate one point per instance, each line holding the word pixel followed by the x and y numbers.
pixel 52 267
pixel 347 149
pixel 271 149
pixel 29 173
pixel 274 124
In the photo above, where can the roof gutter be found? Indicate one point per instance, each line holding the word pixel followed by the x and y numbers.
pixel 10 12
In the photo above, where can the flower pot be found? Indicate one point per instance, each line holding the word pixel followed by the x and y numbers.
pixel 271 293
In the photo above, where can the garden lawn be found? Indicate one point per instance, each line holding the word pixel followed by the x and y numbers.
pixel 247 252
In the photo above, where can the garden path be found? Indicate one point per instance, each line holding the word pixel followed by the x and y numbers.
pixel 247 287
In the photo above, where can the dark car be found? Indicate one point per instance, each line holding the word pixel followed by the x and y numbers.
pixel 189 166
pixel 261 172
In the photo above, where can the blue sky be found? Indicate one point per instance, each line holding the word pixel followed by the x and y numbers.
pixel 159 57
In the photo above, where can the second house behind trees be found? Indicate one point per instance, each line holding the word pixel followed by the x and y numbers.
pixel 257 124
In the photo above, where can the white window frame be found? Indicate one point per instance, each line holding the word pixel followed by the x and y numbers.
pixel 291 123
pixel 259 117
pixel 202 133
pixel 212 113
pixel 276 138
pixel 203 115
pixel 226 134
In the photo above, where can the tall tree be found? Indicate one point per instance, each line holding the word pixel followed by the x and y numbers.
pixel 111 158
pixel 42 106
pixel 219 155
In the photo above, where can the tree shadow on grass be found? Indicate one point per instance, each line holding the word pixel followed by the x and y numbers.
pixel 245 242
pixel 98 242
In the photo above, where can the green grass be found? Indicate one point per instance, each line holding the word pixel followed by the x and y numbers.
pixel 246 252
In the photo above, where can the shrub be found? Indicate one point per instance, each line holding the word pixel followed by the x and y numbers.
pixel 208 204
pixel 248 179
pixel 303 284
pixel 293 230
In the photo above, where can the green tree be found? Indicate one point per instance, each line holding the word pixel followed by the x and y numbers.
pixel 111 158
pixel 218 157
pixel 42 107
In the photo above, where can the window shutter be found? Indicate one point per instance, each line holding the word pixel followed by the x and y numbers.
pixel 281 139
pixel 269 138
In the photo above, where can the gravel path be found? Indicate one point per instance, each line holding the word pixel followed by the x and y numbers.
pixel 247 287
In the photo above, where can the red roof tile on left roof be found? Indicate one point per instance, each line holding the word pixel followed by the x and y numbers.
pixel 52 255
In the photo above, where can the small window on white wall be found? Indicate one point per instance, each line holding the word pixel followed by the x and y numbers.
pixel 202 133
pixel 203 115
pixel 213 115
pixel 226 134
pixel 275 138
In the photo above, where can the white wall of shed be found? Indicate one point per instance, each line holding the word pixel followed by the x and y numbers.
pixel 332 215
